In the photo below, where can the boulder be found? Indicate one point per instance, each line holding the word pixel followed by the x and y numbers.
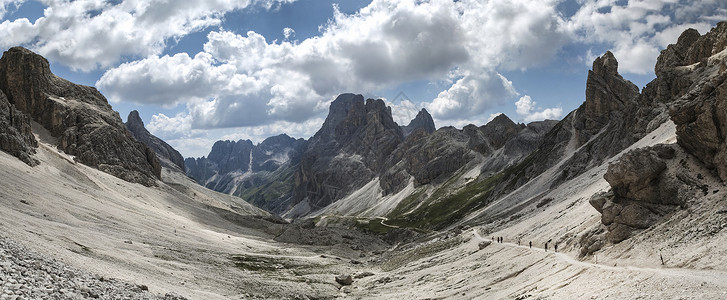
pixel 644 188
pixel 344 279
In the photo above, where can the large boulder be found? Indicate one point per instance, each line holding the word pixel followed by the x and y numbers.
pixel 78 116
pixel 646 184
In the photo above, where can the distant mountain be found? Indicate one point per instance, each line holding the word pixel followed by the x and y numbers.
pixel 79 117
pixel 168 156
pixel 422 121
pixel 362 165
pixel 262 174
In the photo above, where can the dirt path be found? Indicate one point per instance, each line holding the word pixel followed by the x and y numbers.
pixel 715 277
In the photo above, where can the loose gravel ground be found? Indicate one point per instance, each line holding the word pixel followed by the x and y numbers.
pixel 29 275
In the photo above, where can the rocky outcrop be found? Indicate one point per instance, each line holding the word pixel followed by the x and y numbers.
pixel 422 121
pixel 701 113
pixel 78 116
pixel 347 152
pixel 607 94
pixel 261 174
pixel 168 156
pixel 646 184
pixel 16 137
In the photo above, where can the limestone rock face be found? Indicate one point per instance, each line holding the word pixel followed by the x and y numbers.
pixel 16 137
pixel 422 121
pixel 690 86
pixel 168 156
pixel 78 116
pixel 647 183
pixel 347 152
pixel 607 94
pixel 701 113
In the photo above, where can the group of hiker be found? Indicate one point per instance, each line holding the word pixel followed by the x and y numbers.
pixel 530 243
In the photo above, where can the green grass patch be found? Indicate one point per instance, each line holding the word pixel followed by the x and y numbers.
pixel 445 209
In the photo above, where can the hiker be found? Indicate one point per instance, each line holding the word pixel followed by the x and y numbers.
pixel 531 244
pixel 556 247
pixel 518 242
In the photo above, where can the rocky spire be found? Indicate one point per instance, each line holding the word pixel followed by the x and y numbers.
pixel 168 156
pixel 423 121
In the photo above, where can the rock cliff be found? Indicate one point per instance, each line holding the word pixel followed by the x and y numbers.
pixel 423 121
pixel 16 137
pixel 646 183
pixel 78 116
pixel 347 152
pixel 168 156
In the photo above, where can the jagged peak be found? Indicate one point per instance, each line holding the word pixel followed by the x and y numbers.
pixel 134 119
pixel 606 65
pixel 423 120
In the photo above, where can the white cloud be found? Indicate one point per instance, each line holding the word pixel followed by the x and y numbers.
pixel 90 34
pixel 5 4
pixel 526 108
pixel 637 30
pixel 249 81
pixel 471 96
pixel 288 33
pixel 178 132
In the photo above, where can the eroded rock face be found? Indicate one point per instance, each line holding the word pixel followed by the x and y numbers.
pixel 646 185
pixel 701 113
pixel 423 121
pixel 607 94
pixel 78 116
pixel 168 156
pixel 347 152
pixel 16 137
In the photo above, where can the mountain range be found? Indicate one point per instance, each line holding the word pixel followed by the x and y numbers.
pixel 629 188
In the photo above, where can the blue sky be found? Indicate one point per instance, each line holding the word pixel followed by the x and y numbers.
pixel 203 70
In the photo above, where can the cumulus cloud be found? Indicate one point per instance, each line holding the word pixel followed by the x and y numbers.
pixel 249 81
pixel 637 30
pixel 177 131
pixel 526 108
pixel 87 35
pixel 472 95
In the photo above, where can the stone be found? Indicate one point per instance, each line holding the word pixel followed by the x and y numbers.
pixel 344 279
pixel 643 189
pixel 79 117
pixel 16 137
pixel 483 244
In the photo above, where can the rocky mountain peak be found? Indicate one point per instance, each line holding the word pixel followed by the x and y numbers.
pixel 79 117
pixel 691 48
pixel 607 94
pixel 168 156
pixel 134 119
pixel 423 121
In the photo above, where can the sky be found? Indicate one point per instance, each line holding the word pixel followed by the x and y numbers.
pixel 199 71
